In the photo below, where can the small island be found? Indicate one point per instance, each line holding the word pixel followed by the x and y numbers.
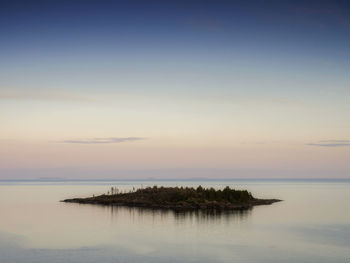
pixel 178 198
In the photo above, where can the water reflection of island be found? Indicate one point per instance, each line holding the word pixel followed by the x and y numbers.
pixel 179 199
pixel 158 215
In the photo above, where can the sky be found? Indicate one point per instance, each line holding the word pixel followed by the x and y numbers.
pixel 174 89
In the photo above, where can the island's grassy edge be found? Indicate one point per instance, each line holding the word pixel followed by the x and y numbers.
pixel 181 207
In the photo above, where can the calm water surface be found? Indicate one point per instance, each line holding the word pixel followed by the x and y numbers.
pixel 312 224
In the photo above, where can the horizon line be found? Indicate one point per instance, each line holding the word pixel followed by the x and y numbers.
pixel 170 179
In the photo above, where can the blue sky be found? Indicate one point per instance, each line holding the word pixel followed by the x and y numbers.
pixel 205 85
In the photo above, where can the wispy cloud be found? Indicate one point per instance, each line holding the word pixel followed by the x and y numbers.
pixel 331 143
pixel 104 140
pixel 42 95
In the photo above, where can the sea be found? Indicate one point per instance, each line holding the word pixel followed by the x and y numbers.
pixel 311 224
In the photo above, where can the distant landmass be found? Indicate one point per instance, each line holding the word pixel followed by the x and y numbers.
pixel 178 198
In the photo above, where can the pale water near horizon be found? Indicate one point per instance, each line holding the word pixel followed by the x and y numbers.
pixel 312 224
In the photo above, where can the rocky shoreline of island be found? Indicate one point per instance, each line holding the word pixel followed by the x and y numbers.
pixel 178 198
